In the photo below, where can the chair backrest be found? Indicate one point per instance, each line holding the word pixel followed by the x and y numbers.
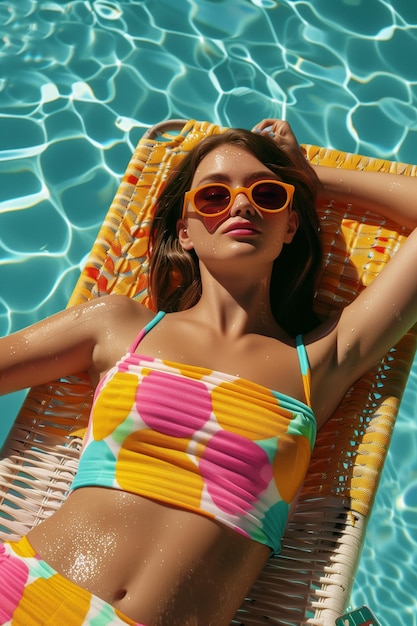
pixel 310 581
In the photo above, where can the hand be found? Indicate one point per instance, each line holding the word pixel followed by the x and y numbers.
pixel 282 134
pixel 280 131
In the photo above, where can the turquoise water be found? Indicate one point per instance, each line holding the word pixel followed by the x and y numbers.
pixel 81 81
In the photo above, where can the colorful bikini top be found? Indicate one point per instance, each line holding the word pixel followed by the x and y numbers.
pixel 205 441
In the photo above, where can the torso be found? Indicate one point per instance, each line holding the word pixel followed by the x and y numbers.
pixel 151 561
pixel 158 565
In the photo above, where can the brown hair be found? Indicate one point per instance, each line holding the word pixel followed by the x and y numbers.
pixel 174 273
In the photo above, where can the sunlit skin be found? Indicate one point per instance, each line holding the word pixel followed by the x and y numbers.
pixel 160 565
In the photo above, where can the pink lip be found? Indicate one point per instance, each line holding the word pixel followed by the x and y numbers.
pixel 241 228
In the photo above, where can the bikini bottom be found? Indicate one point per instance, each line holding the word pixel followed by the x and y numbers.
pixel 34 594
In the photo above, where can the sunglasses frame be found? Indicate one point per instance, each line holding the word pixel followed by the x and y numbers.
pixel 189 196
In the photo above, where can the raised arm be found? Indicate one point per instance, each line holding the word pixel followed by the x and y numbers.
pixel 390 195
pixel 342 350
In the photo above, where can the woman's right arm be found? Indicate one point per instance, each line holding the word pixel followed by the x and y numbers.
pixel 87 337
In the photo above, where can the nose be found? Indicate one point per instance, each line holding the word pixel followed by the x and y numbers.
pixel 242 205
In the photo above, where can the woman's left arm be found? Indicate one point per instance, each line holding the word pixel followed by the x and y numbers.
pixel 343 350
pixel 377 319
pixel 383 312
pixel 393 196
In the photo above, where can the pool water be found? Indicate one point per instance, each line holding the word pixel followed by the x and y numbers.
pixel 80 82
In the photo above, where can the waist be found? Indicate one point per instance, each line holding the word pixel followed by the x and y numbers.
pixel 150 561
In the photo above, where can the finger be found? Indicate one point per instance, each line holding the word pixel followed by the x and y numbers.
pixel 265 124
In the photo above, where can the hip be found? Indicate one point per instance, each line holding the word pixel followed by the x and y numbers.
pixel 32 592
pixel 155 563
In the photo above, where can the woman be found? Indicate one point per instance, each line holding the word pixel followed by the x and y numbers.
pixel 201 433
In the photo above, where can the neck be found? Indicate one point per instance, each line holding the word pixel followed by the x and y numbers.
pixel 236 305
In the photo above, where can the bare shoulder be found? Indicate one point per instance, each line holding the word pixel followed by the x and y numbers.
pixel 104 316
pixel 119 309
pixel 119 321
pixel 90 336
pixel 328 384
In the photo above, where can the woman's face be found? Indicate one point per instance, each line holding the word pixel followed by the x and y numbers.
pixel 243 229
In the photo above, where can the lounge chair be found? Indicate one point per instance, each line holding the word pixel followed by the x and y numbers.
pixel 310 581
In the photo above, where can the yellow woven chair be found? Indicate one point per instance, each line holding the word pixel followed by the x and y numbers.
pixel 310 581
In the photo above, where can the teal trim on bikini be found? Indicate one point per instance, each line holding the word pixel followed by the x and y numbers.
pixel 146 329
pixel 304 366
pixel 154 321
pixel 302 355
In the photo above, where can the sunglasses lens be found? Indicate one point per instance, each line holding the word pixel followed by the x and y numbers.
pixel 212 199
pixel 269 196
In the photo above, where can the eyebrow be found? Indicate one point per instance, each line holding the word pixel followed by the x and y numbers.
pixel 220 177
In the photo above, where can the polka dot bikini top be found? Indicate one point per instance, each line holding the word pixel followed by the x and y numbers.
pixel 205 441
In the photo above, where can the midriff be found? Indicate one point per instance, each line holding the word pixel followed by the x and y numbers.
pixel 158 565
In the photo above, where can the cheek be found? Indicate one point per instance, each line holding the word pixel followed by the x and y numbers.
pixel 275 235
pixel 211 223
